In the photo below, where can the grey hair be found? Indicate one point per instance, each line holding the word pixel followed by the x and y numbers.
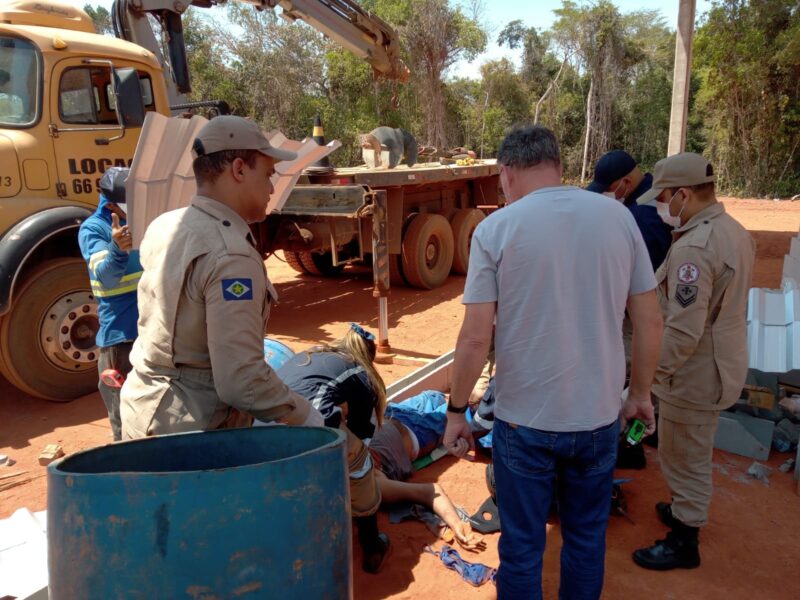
pixel 529 146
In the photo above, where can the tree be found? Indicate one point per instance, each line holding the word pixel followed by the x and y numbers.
pixel 596 34
pixel 436 36
pixel 746 56
pixel 101 18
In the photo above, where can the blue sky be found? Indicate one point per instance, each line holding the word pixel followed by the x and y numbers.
pixel 535 13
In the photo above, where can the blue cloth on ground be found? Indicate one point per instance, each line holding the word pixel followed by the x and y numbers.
pixel 473 573
pixel 424 414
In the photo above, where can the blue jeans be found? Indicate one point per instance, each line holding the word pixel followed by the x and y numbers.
pixel 424 414
pixel 530 467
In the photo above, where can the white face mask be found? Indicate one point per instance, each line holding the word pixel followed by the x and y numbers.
pixel 663 211
pixel 613 195
pixel 123 207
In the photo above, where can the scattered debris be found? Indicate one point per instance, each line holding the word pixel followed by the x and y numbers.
pixel 787 466
pixel 50 453
pixel 785 436
pixel 760 472
pixel 791 404
pixel 12 475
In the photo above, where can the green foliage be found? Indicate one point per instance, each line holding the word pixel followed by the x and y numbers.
pixel 745 90
pixel 101 18
pixel 749 98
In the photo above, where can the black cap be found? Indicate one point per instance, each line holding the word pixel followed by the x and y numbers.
pixel 112 184
pixel 611 166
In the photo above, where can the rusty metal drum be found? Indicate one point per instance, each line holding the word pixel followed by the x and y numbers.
pixel 239 513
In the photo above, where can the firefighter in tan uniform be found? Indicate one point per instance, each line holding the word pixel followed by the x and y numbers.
pixel 702 288
pixel 204 301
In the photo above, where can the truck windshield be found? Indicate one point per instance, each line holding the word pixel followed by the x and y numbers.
pixel 19 82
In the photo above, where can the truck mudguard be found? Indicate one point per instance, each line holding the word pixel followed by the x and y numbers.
pixel 20 242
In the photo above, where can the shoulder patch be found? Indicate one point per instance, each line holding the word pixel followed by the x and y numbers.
pixel 685 294
pixel 688 273
pixel 237 289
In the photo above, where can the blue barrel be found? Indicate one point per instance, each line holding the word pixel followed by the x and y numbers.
pixel 238 513
pixel 276 353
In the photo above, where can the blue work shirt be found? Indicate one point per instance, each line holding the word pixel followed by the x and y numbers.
pixel 114 276
pixel 657 234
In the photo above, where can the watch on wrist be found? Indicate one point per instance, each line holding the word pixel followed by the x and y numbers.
pixel 460 410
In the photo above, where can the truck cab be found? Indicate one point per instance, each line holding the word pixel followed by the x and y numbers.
pixel 60 129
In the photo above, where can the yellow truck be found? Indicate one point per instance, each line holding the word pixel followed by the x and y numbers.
pixel 72 104
pixel 61 128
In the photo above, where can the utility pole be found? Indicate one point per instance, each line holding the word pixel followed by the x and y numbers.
pixel 681 77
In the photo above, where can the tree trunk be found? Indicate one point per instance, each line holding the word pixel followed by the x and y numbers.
pixel 589 106
pixel 547 91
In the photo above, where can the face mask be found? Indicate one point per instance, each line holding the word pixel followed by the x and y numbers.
pixel 663 211
pixel 613 195
pixel 123 207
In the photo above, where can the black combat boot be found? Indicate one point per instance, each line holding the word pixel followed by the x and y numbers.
pixel 678 551
pixel 664 510
pixel 375 546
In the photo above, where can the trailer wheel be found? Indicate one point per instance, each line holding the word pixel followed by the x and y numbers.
pixel 320 263
pixel 463 224
pixel 47 340
pixel 427 251
pixel 293 260
pixel 396 277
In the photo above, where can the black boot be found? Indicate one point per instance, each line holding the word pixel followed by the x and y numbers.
pixel 678 551
pixel 630 457
pixel 375 546
pixel 664 510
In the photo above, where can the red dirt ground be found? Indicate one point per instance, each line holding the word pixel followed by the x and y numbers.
pixel 749 548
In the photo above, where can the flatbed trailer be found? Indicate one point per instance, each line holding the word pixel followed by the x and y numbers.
pixel 414 224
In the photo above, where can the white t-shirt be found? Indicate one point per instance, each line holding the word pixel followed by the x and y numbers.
pixel 560 263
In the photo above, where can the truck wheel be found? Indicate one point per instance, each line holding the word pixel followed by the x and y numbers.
pixel 320 263
pixel 48 338
pixel 427 251
pixel 463 224
pixel 396 277
pixel 293 260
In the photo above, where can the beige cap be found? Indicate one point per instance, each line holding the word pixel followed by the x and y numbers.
pixel 235 133
pixel 680 170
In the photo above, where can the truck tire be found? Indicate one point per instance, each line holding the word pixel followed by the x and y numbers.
pixel 427 251
pixel 47 340
pixel 293 260
pixel 463 224
pixel 320 263
pixel 396 277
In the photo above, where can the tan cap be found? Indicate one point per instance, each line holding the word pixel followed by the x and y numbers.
pixel 235 133
pixel 680 170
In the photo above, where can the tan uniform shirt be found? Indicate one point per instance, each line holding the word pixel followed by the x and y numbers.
pixel 204 301
pixel 702 288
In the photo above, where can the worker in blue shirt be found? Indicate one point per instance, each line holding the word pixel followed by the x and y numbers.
pixel 114 272
pixel 617 175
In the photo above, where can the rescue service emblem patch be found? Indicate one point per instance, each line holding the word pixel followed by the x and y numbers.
pixel 237 289
pixel 688 273
pixel 685 294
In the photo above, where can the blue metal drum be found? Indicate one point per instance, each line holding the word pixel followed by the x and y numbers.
pixel 238 513
pixel 276 353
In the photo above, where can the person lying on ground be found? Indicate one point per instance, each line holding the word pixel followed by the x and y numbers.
pixel 413 429
pixel 340 380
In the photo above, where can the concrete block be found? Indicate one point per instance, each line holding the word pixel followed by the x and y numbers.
pixel 744 435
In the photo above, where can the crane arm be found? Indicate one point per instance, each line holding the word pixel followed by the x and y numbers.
pixel 344 21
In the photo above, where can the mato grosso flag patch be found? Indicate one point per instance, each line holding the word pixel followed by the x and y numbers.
pixel 237 289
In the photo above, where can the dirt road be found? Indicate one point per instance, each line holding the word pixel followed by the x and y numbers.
pixel 749 548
